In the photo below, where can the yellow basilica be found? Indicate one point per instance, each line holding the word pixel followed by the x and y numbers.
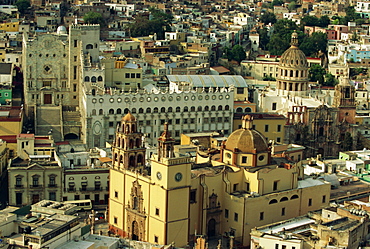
pixel 175 198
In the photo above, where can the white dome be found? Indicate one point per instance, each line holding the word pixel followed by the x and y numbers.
pixel 61 30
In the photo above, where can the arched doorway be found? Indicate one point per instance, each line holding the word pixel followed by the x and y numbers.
pixel 135 231
pixel 70 136
pixel 211 228
pixel 320 151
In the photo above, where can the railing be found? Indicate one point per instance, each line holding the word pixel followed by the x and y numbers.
pixel 52 185
pixel 70 189
pixel 91 189
pixel 36 186
pixel 18 186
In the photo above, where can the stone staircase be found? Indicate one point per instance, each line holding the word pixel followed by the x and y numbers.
pixel 49 121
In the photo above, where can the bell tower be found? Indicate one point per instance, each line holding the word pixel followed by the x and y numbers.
pixel 128 148
pixel 344 100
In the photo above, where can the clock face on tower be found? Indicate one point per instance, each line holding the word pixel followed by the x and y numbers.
pixel 159 175
pixel 178 177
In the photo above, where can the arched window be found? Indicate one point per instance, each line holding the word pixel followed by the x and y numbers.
pixel 93 92
pixel 227 107
pixel 133 110
pixel 93 79
pixel 219 108
pixel 101 112
pixel 100 78
pixel 192 109
pixel 126 110
pixel 119 111
pixel 111 111
pixel 169 109
pixel 163 110
pixel 186 109
pixel 294 197
pixel 141 110
pixel 248 109
pixel 178 109
pixel 206 108
pixel 239 110
pixel 155 110
pixel 87 78
pixel 321 131
pixel 273 201
pixel 89 46
pixel 284 199
pixel 213 108
pixel 138 143
pixel 199 108
pixel 148 110
pixel 93 112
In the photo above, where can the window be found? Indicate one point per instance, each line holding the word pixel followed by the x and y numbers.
pixel 133 75
pixel 52 180
pixel 273 106
pixel 127 75
pixel 283 211
pixel 323 198
pixel 46 83
pixel 115 194
pixel 278 128
pixel 226 119
pixel 138 75
pixel 75 43
pixel 247 186
pixel 77 197
pixel 275 186
pixel 262 214
pixel 276 246
pixel 155 239
pixel 148 122
pixel 244 159
pixel 35 181
pixel 266 128
pixel 236 217
pixel 283 246
pixel 309 202
pixel 235 187
pixel 157 211
pixel 239 90
pixel 52 196
pixel 115 220
pixel 193 196
pixel 226 213
pixel 18 198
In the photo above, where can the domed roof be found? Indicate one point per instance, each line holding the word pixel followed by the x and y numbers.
pixel 293 57
pixel 246 139
pixel 129 118
pixel 61 30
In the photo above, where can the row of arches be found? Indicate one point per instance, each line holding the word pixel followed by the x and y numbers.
pixel 93 78
pixel 293 73
pixel 132 143
pixel 164 110
pixel 273 201
pixel 133 161
pixel 240 110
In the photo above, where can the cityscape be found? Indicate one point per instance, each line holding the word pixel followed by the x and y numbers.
pixel 184 124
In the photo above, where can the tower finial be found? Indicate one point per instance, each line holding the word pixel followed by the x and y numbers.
pixel 294 39
pixel 247 122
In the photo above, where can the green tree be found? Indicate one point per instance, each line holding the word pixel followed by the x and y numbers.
pixel 22 5
pixel 268 17
pixel 280 39
pixel 330 80
pixel 347 141
pixel 317 73
pixel 158 22
pixel 276 3
pixel 292 5
pixel 324 21
pixel 94 18
pixel 309 21
pixel 311 45
pixel 264 39
pixel 238 53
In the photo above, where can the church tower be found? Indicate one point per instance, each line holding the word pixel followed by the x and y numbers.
pixel 128 148
pixel 344 100
pixel 292 71
pixel 171 177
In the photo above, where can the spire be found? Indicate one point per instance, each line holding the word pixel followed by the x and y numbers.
pixel 294 39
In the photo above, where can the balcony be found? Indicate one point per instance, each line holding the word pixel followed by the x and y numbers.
pixel 18 186
pixel 35 186
pixel 86 189
pixel 70 189
pixel 52 185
